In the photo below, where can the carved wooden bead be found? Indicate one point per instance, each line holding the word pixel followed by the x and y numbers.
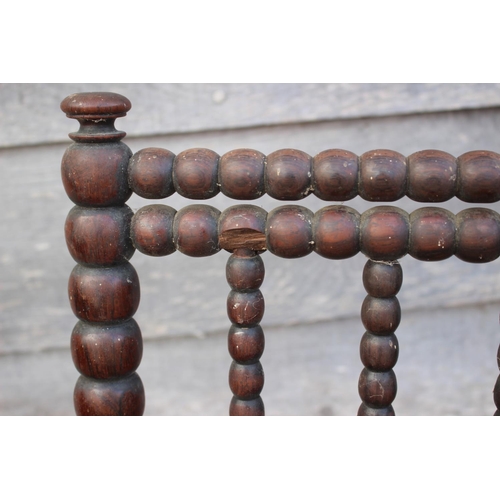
pixel 377 389
pixel 245 272
pixel 381 316
pixel 100 294
pixel 196 230
pixel 246 221
pixel 246 381
pixel 288 174
pixel 379 352
pixel 432 234
pixel 382 279
pixel 384 233
pixel 432 176
pixel 246 345
pixel 150 173
pixel 113 397
pixel 96 112
pixel 152 230
pixel 479 177
pixel 382 175
pixel 478 235
pixel 336 232
pixel 104 351
pixel 335 175
pixel 242 408
pixel 289 231
pixel 196 174
pixel 245 308
pixel 88 166
pixel 241 174
pixel 99 235
pixel 367 411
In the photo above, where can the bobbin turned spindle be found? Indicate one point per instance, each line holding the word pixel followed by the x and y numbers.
pixel 104 292
pixel 379 349
pixel 241 231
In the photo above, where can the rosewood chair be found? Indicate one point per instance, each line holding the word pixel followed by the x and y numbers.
pixel 100 173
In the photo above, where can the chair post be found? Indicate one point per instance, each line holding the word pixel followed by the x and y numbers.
pixel 104 291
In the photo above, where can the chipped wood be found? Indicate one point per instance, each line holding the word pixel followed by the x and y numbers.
pixel 232 239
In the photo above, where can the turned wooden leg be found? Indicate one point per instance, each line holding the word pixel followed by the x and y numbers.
pixel 104 292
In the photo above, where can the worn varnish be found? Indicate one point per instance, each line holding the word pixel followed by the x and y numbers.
pixel 100 174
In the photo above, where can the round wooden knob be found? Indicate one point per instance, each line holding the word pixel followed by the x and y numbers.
pixel 93 105
pixel 96 112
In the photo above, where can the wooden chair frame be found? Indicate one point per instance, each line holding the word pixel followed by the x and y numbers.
pixel 100 173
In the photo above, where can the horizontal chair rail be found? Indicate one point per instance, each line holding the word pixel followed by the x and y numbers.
pixel 290 231
pixel 381 175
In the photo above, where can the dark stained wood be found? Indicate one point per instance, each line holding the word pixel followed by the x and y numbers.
pixel 243 226
pixel 377 389
pixel 99 235
pixel 246 381
pixel 379 347
pixel 289 231
pixel 245 309
pixel 379 352
pixel 241 174
pixel 104 290
pixel 195 230
pixel 150 173
pixel 432 234
pixel 152 230
pixel 478 235
pixel 104 293
pixel 288 174
pixel 367 411
pixel 195 173
pixel 246 408
pixel 335 175
pixel 95 105
pixel 381 315
pixel 104 351
pixel 382 175
pixel 245 270
pixel 432 176
pixel 95 175
pixel 479 177
pixel 496 396
pixel 336 232
pixel 382 280
pixel 96 112
pixel 246 344
pixel 111 397
pixel 384 233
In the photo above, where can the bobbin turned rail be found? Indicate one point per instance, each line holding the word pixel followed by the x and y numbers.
pixel 100 173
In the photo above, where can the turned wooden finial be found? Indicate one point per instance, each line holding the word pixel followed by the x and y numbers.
pixel 96 112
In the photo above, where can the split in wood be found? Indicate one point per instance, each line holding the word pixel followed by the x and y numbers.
pixel 233 239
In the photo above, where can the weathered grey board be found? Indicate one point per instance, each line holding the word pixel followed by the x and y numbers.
pixel 35 264
pixel 30 114
pixel 309 370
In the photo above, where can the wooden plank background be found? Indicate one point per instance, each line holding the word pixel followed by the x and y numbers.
pixel 36 319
